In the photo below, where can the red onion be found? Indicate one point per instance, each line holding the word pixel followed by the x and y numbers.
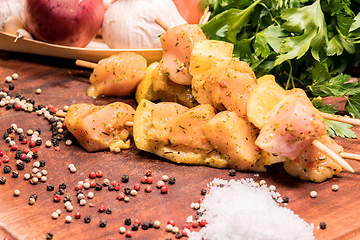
pixel 68 22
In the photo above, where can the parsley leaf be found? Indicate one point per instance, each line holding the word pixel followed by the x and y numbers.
pixel 336 87
pixel 335 128
pixel 353 105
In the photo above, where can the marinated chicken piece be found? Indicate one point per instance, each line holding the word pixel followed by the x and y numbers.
pixel 177 44
pixel 226 86
pixel 117 75
pixel 169 91
pixel 234 138
pixel 99 128
pixel 292 125
pixel 314 165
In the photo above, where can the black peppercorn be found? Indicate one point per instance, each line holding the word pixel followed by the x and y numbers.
pixel 42 163
pixel 61 191
pixel 285 199
pixel 144 225
pixel 103 223
pixel 98 187
pixel 38 130
pixel 67 198
pixel 127 191
pixel 9 130
pixel 108 211
pixel 49 235
pixel 22 136
pixel 38 142
pixel 87 219
pixel 151 224
pixel 8 106
pixel 62 186
pixel 6 135
pixel 35 155
pixel 135 227
pixel 2 180
pixel 127 221
pixel 322 225
pixel 7 169
pixel 34 196
pixel 171 180
pixel 20 165
pixel 125 178
pixel 79 192
pixel 18 154
pixel 178 235
pixel 11 86
pixel 111 188
pixel 15 174
pixel 232 172
pixel 27 159
pixel 203 191
pixel 50 187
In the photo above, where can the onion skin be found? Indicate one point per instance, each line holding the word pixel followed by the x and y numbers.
pixel 71 23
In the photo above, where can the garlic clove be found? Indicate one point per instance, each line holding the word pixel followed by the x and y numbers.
pixel 22 33
pixel 12 24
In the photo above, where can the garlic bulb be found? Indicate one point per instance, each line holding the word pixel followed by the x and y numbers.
pixel 11 8
pixel 130 24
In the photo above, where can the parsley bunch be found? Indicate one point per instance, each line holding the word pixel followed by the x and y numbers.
pixel 310 44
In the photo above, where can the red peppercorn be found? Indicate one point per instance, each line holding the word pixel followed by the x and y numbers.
pixel 92 183
pixel 32 143
pixel 55 109
pixel 117 187
pixel 113 182
pixel 87 180
pixel 1 153
pixel 24 141
pixel 12 136
pixel 57 198
pixel 148 172
pixel 137 221
pixel 78 187
pixel 57 148
pixel 50 106
pixel 92 174
pixel 164 189
pixel 149 180
pixel 77 215
pixel 91 204
pixel 171 222
pixel 128 234
pixel 159 184
pixel 186 226
pixel 148 188
pixel 23 156
pixel 143 180
pixel 203 222
pixel 6 159
pixel 137 186
pixel 63 126
pixel 101 208
pixel 120 196
pixel 201 200
pixel 99 174
pixel 14 147
pixel 7 238
pixel 183 233
pixel 110 238
pixel 34 150
pixel 45 106
pixel 195 224
pixel 26 150
pixel 17 107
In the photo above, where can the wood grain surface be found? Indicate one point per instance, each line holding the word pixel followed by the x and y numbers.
pixel 63 83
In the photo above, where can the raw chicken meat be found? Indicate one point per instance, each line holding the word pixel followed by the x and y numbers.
pixel 117 75
pixel 99 128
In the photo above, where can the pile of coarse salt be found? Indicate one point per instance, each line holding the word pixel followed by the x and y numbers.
pixel 241 209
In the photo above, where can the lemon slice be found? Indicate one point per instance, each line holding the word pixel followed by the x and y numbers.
pixel 142 124
pixel 262 99
pixel 269 158
pixel 145 90
pixel 206 53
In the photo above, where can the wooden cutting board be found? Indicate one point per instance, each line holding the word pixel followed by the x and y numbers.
pixel 62 83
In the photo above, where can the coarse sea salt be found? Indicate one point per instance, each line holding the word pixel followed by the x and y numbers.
pixel 241 209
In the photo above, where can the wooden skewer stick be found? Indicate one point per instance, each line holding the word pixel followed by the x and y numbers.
pixel 350 156
pixel 333 156
pixel 349 120
pixel 86 64
pixel 162 24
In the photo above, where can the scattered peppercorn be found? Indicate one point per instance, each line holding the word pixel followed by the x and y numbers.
pixel 125 178
pixel 135 227
pixel 62 186
pixel 49 235
pixel 108 211
pixel 171 180
pixel 15 174
pixel 203 191
pixel 127 191
pixel 178 235
pixel 20 165
pixel 98 187
pixel 103 223
pixel 42 163
pixel 7 169
pixel 322 225
pixel 151 224
pixel 127 221
pixel 2 180
pixel 87 219
pixel 111 188
pixel 144 225
pixel 232 172
pixel 285 199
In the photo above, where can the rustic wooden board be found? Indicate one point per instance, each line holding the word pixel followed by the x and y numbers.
pixel 63 83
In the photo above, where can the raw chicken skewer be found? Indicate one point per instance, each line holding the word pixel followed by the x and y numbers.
pixel 350 156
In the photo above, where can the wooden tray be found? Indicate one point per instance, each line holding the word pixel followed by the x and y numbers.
pixel 95 51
